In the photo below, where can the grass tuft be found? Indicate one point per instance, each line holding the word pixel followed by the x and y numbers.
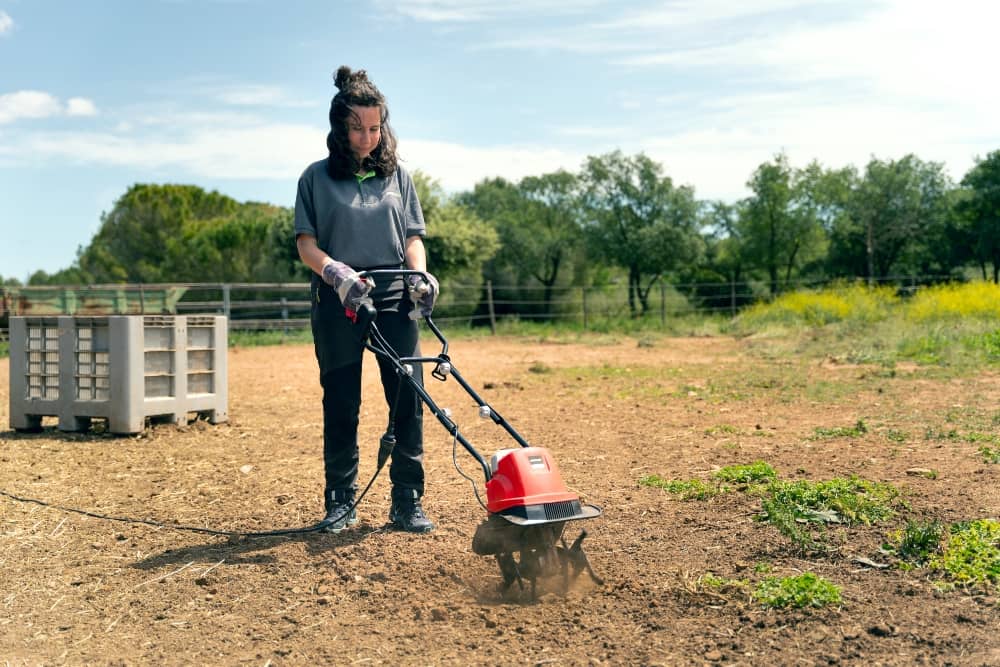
pixel 804 590
pixel 917 542
pixel 753 473
pixel 971 555
pixel 990 454
pixel 690 489
pixel 856 431
pixel 801 509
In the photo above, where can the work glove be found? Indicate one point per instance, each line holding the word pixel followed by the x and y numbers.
pixel 352 289
pixel 423 292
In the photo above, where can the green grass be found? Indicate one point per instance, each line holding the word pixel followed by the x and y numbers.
pixel 856 431
pixel 4 349
pixel 971 555
pixel 951 328
pixel 259 338
pixel 816 308
pixel 741 476
pixel 753 473
pixel 801 591
pixel 690 489
pixel 801 509
pixel 990 454
pixel 915 543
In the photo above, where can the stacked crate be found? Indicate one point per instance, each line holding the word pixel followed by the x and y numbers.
pixel 123 369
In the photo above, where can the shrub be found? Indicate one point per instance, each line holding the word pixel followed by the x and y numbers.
pixel 955 302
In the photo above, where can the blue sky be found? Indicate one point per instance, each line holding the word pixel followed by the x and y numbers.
pixel 232 95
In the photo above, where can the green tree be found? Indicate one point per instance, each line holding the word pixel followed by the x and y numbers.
pixel 458 242
pixel 637 219
pixel 979 211
pixel 538 224
pixel 897 215
pixel 142 238
pixel 717 283
pixel 236 248
pixel 780 224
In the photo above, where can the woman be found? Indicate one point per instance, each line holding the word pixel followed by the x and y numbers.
pixel 357 210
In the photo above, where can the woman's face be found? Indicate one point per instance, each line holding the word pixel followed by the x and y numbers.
pixel 364 130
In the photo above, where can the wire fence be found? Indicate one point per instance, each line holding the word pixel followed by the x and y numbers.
pixel 286 306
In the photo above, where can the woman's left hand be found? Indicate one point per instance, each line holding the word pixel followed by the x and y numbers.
pixel 423 292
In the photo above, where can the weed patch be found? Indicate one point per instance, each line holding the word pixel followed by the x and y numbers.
pixel 856 431
pixel 801 509
pixel 804 590
pixel 916 543
pixel 690 489
pixel 744 475
pixel 990 454
pixel 971 555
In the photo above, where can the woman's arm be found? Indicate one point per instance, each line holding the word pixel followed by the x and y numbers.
pixel 310 253
pixel 416 255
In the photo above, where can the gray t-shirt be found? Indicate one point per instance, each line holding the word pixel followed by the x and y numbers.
pixel 363 223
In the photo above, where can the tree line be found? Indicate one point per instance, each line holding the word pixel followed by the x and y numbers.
pixel 619 218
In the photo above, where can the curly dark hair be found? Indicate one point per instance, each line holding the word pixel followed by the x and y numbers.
pixel 356 89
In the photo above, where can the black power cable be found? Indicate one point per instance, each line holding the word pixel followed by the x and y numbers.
pixel 385 448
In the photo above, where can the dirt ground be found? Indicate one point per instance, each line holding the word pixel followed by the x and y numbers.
pixel 79 590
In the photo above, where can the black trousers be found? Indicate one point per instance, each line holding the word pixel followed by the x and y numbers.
pixel 339 352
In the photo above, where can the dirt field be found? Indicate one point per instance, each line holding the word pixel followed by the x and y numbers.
pixel 78 590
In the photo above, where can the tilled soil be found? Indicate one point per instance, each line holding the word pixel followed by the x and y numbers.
pixel 82 590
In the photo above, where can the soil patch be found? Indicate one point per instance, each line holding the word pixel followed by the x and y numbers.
pixel 79 590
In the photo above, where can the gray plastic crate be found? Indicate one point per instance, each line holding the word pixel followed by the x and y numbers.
pixel 119 368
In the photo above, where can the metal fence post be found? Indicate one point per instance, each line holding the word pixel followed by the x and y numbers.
pixel 663 303
pixel 489 304
pixel 225 302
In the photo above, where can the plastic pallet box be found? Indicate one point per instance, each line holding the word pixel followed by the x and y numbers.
pixel 124 369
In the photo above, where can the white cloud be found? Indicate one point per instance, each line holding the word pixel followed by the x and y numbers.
pixel 251 95
pixel 29 104
pixel 469 11
pixel 686 13
pixel 261 152
pixel 80 106
pixel 460 167
pixel 6 23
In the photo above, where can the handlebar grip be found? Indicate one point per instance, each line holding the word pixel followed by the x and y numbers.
pixel 364 315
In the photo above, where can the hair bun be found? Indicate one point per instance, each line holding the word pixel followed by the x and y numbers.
pixel 342 77
pixel 345 77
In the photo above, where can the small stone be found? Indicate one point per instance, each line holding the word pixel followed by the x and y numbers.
pixel 881 631
pixel 919 472
pixel 438 614
pixel 246 469
pixel 714 655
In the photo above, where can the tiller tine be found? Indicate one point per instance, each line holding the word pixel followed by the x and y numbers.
pixel 530 553
pixel 575 558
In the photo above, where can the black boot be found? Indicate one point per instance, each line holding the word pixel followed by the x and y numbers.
pixel 336 503
pixel 406 512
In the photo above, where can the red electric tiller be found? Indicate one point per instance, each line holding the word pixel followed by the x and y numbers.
pixel 527 502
